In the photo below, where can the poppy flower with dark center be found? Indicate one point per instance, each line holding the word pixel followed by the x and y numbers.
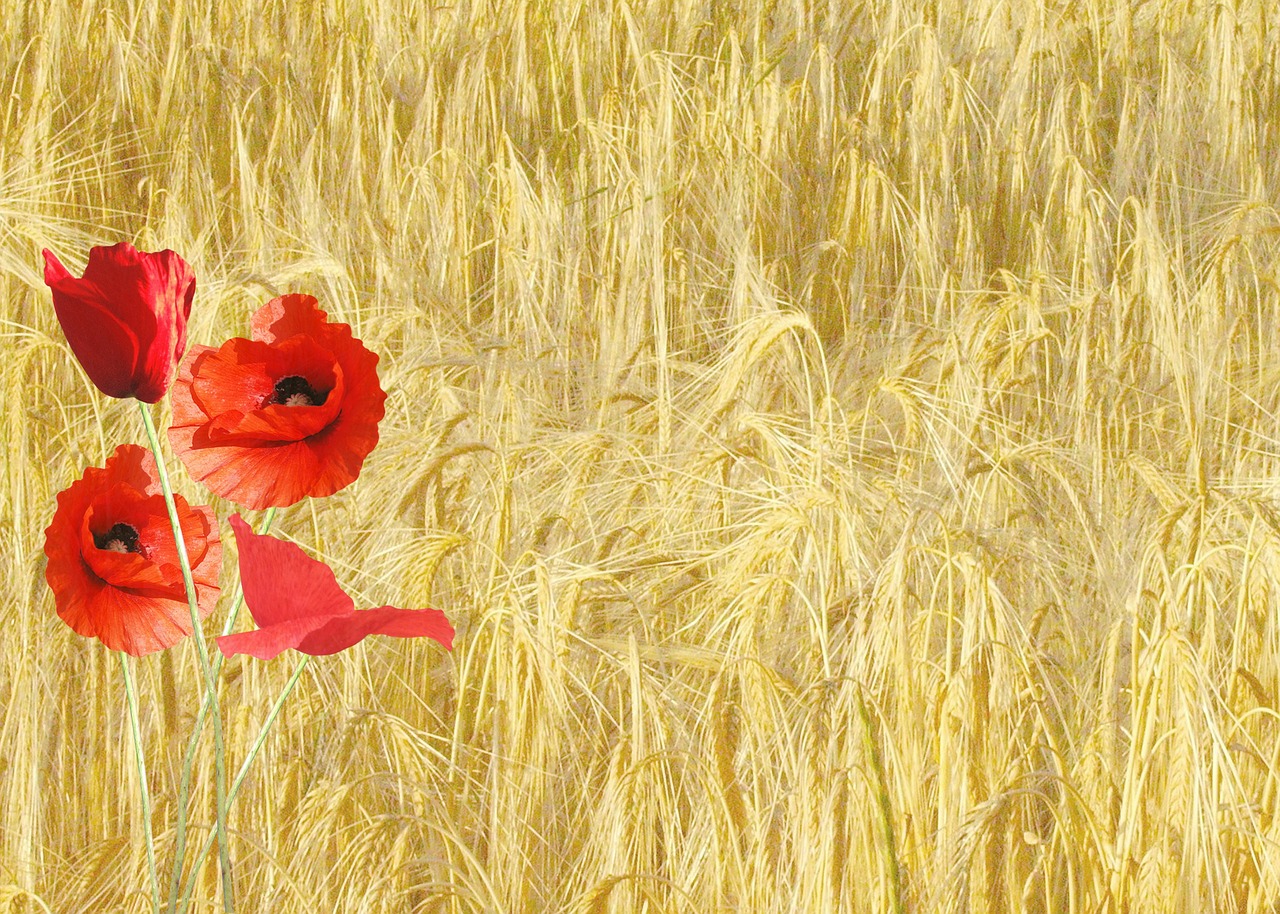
pixel 113 564
pixel 297 603
pixel 290 413
pixel 126 318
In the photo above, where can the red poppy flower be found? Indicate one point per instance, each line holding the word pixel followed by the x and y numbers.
pixel 126 318
pixel 297 603
pixel 113 565
pixel 291 413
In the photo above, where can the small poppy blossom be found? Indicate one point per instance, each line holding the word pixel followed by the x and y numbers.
pixel 113 564
pixel 290 413
pixel 298 604
pixel 126 318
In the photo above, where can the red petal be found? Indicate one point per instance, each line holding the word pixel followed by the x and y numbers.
pixel 341 632
pixel 149 517
pixel 295 314
pixel 105 346
pixel 256 477
pixel 329 634
pixel 297 603
pixel 241 374
pixel 130 470
pixel 281 582
pixel 277 422
pixel 134 623
pixel 130 570
pixel 152 294
pixel 235 376
pixel 185 409
pixel 199 528
pixel 269 641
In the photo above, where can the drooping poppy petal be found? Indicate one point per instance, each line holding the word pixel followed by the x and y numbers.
pixel 341 632
pixel 281 582
pixel 289 414
pixel 126 317
pixel 112 561
pixel 297 603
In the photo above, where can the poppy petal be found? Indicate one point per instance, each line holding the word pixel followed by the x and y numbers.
pixel 152 292
pixel 232 377
pixel 342 632
pixel 277 422
pixel 135 623
pixel 155 533
pixel 148 520
pixel 241 374
pixel 270 640
pixel 281 582
pixel 129 570
pixel 186 412
pixel 105 346
pixel 281 474
pixel 297 603
pixel 295 314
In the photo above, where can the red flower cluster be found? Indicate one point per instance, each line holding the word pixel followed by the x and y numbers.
pixel 126 319
pixel 113 564
pixel 298 604
pixel 291 413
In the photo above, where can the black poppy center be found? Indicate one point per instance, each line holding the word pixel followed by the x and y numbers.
pixel 120 538
pixel 294 390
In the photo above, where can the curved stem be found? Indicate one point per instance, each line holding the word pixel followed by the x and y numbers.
pixel 210 684
pixel 244 770
pixel 132 693
pixel 180 831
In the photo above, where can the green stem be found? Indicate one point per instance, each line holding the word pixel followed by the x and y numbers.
pixel 180 843
pixel 210 685
pixel 244 770
pixel 890 845
pixel 132 693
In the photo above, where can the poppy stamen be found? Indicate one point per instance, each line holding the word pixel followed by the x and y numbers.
pixel 120 538
pixel 295 390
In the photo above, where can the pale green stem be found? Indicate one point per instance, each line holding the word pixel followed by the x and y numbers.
pixel 210 684
pixel 244 770
pixel 184 787
pixel 885 808
pixel 132 693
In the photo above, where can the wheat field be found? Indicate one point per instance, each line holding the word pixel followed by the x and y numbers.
pixel 844 435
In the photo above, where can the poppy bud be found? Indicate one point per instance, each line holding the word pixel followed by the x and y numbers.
pixel 126 318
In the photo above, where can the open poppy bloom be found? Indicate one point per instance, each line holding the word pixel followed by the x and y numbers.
pixel 298 604
pixel 113 564
pixel 126 318
pixel 291 413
